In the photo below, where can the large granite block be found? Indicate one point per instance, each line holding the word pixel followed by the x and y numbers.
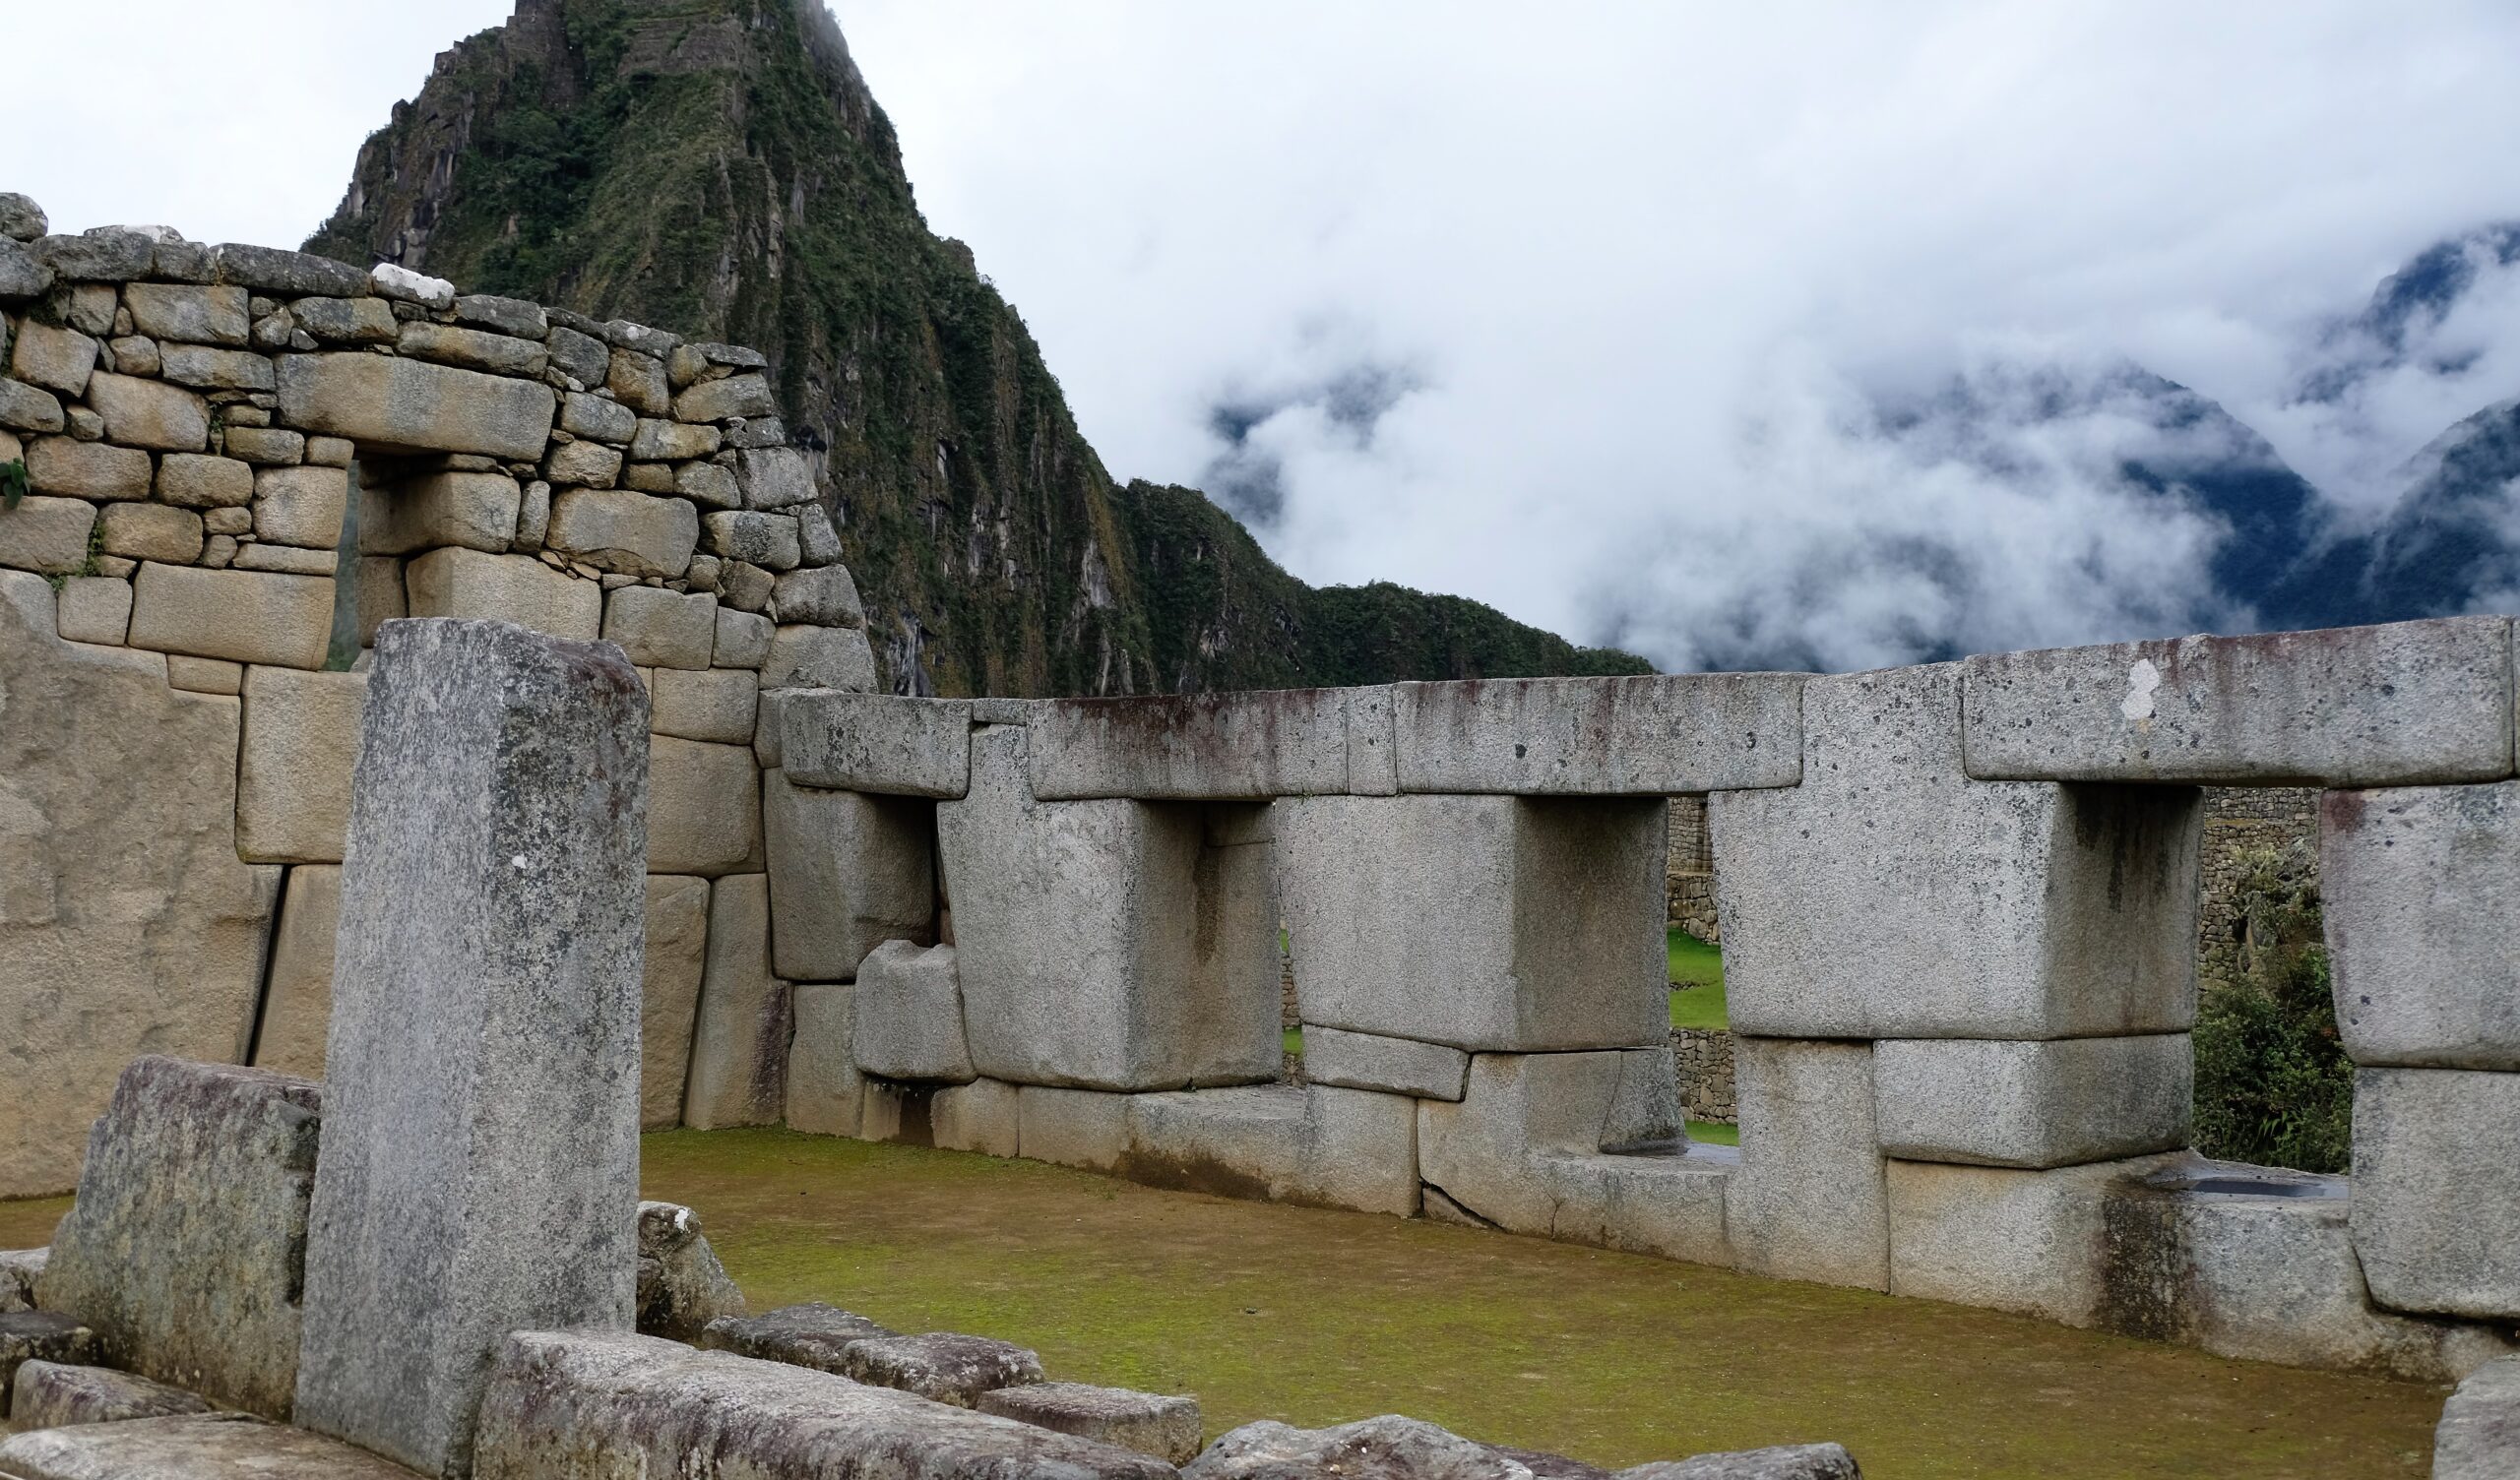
pixel 2407 704
pixel 1317 1146
pixel 1079 1128
pixel 878 743
pixel 1844 898
pixel 1488 923
pixel 1647 735
pixel 297 995
pixel 240 616
pixel 2478 1436
pixel 907 1017
pixel 1808 1201
pixel 188 1446
pixel 704 811
pixel 669 980
pixel 2419 884
pixel 390 403
pixel 1402 1066
pixel 2038 1104
pixel 2437 1190
pixel 739 1042
pixel 1107 945
pixel 1189 747
pixel 453 581
pixel 847 872
pixel 493 906
pixel 826 1095
pixel 293 775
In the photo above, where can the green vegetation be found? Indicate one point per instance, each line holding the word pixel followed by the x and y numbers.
pixel 1697 982
pixel 1715 1133
pixel 2273 1085
pixel 13 482
pixel 1316 1316
pixel 1291 1041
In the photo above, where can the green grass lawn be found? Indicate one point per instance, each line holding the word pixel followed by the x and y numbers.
pixel 1714 1133
pixel 1697 981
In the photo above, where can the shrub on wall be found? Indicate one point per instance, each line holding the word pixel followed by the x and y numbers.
pixel 2273 1085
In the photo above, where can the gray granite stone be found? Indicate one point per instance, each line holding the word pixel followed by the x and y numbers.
pixel 2437 1190
pixel 942 1366
pixel 2419 884
pixel 813 1335
pixel 1389 1447
pixel 2478 1436
pixel 2038 1104
pixel 1150 1423
pixel 1647 735
pixel 55 1395
pixel 908 1018
pixel 1794 1461
pixel 682 1286
pixel 189 1447
pixel 847 872
pixel 878 743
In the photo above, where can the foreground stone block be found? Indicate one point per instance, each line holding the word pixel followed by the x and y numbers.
pixel 42 1336
pixel 1486 923
pixel 52 1395
pixel 1167 1428
pixel 1842 897
pixel 2047 1105
pixel 2418 882
pixel 293 775
pixel 2437 1190
pixel 1792 1461
pixel 19 1269
pixel 491 907
pixel 677 944
pixel 705 808
pixel 242 616
pixel 593 1407
pixel 909 1014
pixel 2407 704
pixel 191 1446
pixel 1189 747
pixel 878 743
pixel 739 1042
pixel 1363 1061
pixel 388 403
pixel 133 876
pixel 1389 1447
pixel 1107 945
pixel 2478 1436
pixel 826 1095
pixel 813 1335
pixel 185 1248
pixel 1315 1146
pixel 1808 1201
pixel 682 1287
pixel 941 1365
pixel 519 588
pixel 847 872
pixel 1642 736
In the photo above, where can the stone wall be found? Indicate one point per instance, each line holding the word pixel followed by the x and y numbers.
pixel 2241 820
pixel 1689 876
pixel 1702 1064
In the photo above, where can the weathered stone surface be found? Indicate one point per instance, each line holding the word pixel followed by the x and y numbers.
pixel 705 810
pixel 149 413
pixel 585 415
pixel 678 938
pixel 57 360
pixel 29 409
pixel 93 608
pixel 1792 1461
pixel 21 219
pixel 1647 735
pixel 682 1287
pixel 473 349
pixel 297 1001
pixel 583 358
pixel 716 704
pixel 1106 945
pixel 940 1366
pixel 468 584
pixel 1363 1061
pixel 743 638
pixel 208 369
pixel 150 531
pixel 475 510
pixel 512 316
pixel 2478 1436
pixel 204 675
pixel 1482 922
pixel 87 469
pixel 1079 1128
pixel 183 1250
pixel 386 402
pixel 21 275
pixel 768 540
pixel 658 441
pixel 983 1115
pixel 195 480
pixel 492 906
pixel 301 737
pixel 102 253
pixel 739 1042
pixel 42 1336
pixel 301 506
pixel 53 1395
pixel 1167 1428
pixel 616 529
pixel 2032 1243
pixel 638 382
pixel 1389 1447
pixel 47 536
pixel 847 872
pixel 2054 1103
pixel 2437 1190
pixel 826 1095
pixel 878 742
pixel 819 657
pixel 2079 903
pixel 823 596
pixel 19 1269
pixel 580 1407
pixel 814 1335
pixel 909 1014
pixel 2406 704
pixel 658 628
pixel 2417 882
pixel 348 320
pixel 706 484
pixel 244 617
pixel 288 273
pixel 724 400
pixel 1316 1145
pixel 1808 1201
pixel 774 477
pixel 1285 743
pixel 585 465
pixel 392 280
pixel 189 315
pixel 189 1447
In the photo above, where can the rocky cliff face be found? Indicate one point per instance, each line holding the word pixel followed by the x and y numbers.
pixel 719 168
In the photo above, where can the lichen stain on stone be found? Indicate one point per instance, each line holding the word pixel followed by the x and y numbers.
pixel 2142 681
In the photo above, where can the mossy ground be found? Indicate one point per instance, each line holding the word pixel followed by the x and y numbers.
pixel 1317 1316
pixel 1697 983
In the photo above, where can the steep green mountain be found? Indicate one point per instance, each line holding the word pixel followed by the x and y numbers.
pixel 719 168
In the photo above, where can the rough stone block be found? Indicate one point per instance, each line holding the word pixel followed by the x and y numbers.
pixel 662 629
pixel 150 531
pixel 673 442
pixel 192 1447
pixel 470 585
pixel 1363 1061
pixel 389 403
pixel 297 1001
pixel 826 1095
pixel 909 1014
pixel 2417 884
pixel 189 315
pixel 242 616
pixel 52 1396
pixel 1167 1428
pixel 821 596
pixel 302 739
pixel 1317 1146
pixel 194 480
pixel 774 477
pixel 878 743
pixel 737 395
pixel 1291 742
pixel 2437 1190
pixel 1485 1153
pixel 819 657
pixel 475 510
pixel 739 1044
pixel 491 907
pixel 57 360
pixel 346 321
pixel 93 609
pixel 624 531
pixel 678 942
pixel 941 1365
pixel 1667 1202
pixel 1483 922
pixel 474 349
pixel 183 1250
pixel 1842 897
pixel 586 416
pixel 47 536
pixel 682 1286
pixel 814 1335
pixel 1790 1461
pixel 208 369
pixel 19 1269
pixel 585 465
pixel 149 413
pixel 1808 1201
pixel 704 813
pixel 2478 1436
pixel 204 675
pixel 847 872
pixel 768 540
pixel 2034 1243
pixel 42 1336
pixel 1649 735
pixel 300 506
pixel 1106 945
pixel 1079 1128
pixel 2407 704
pixel 1383 1448
pixel 95 471
pixel 380 594
pixel 255 446
pixel 743 638
pixel 715 704
pixel 983 1115
pixel 569 1406
pixel 2045 1104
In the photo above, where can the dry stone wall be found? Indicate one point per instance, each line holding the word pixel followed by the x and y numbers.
pixel 198 427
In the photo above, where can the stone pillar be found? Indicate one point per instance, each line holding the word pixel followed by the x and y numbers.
pixel 480 1163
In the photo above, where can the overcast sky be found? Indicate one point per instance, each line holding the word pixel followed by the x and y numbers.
pixel 1587 310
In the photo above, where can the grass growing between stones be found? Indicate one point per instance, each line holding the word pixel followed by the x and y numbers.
pixel 1316 1316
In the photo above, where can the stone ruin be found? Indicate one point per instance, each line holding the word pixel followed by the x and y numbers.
pixel 1050 929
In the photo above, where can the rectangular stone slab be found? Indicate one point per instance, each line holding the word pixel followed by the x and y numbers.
pixel 2042 1104
pixel 1649 735
pixel 55 1395
pixel 1191 747
pixel 2401 705
pixel 481 1154
pixel 2421 885
pixel 2437 1190
pixel 878 742
pixel 389 403
pixel 193 1446
pixel 1363 1061
pixel 1808 1201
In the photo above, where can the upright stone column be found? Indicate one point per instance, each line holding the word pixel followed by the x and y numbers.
pixel 480 1163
